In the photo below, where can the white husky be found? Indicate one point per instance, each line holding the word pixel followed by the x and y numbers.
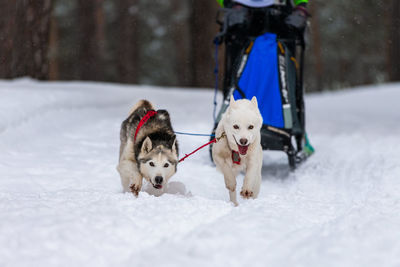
pixel 241 149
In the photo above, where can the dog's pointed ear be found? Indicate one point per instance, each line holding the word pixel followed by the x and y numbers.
pixel 254 101
pixel 174 151
pixel 232 100
pixel 147 145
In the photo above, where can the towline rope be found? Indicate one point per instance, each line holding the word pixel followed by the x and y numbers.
pixel 182 133
pixel 207 144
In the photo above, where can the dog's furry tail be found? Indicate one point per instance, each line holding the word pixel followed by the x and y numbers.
pixel 141 104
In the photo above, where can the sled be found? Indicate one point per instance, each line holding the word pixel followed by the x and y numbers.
pixel 264 58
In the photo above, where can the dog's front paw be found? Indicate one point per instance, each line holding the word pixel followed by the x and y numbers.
pixel 135 189
pixel 247 193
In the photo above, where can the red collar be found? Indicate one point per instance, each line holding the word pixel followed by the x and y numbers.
pixel 236 157
pixel 145 118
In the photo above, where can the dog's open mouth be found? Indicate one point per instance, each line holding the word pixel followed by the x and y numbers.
pixel 242 149
pixel 157 186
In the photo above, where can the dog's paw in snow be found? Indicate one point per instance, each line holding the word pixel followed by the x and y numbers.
pixel 247 194
pixel 135 189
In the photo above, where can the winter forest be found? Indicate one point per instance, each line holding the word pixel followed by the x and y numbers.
pixel 169 42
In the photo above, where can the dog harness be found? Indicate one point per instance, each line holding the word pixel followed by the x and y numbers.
pixel 235 157
pixel 145 118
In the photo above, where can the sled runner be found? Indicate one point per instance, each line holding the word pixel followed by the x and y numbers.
pixel 264 58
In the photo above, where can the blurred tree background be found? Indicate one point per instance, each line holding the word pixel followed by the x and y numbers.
pixel 169 42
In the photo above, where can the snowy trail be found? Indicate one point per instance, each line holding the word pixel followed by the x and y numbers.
pixel 60 200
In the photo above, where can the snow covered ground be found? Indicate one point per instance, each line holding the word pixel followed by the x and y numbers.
pixel 61 202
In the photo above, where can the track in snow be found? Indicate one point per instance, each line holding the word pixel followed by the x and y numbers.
pixel 60 200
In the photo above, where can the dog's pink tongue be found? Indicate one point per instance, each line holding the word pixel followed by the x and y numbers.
pixel 243 149
pixel 157 186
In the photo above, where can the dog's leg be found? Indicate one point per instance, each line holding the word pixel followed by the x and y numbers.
pixel 252 179
pixel 251 186
pixel 232 197
pixel 131 179
pixel 136 185
pixel 229 177
pixel 230 183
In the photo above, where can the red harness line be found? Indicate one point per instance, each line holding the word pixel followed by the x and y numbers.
pixel 145 118
pixel 209 143
pixel 187 155
pixel 152 113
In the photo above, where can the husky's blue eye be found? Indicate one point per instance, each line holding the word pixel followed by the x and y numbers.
pixel 151 164
pixel 166 165
pixel 235 126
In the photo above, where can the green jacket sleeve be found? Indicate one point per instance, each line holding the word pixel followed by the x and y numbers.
pixel 297 2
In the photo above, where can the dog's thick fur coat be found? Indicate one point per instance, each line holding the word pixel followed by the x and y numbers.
pixel 241 124
pixel 154 153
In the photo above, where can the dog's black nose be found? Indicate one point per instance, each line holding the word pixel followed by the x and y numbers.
pixel 158 179
pixel 243 141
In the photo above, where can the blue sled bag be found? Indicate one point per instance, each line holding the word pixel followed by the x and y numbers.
pixel 266 69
